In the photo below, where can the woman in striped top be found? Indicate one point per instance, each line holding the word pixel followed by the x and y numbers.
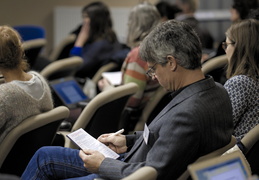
pixel 142 19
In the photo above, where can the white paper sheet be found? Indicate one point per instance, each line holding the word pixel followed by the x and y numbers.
pixel 85 141
pixel 113 77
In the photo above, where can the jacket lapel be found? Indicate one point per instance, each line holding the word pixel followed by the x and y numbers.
pixel 183 95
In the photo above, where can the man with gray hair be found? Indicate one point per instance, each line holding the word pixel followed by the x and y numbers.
pixel 197 121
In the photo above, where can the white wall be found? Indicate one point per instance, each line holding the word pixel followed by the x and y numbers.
pixel 67 18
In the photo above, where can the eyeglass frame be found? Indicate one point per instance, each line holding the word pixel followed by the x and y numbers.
pixel 151 71
pixel 225 45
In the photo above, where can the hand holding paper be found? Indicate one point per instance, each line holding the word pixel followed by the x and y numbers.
pixel 92 159
pixel 86 141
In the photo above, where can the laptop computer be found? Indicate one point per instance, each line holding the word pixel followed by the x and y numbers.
pixel 68 91
pixel 231 166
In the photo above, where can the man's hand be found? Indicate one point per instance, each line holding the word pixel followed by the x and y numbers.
pixel 92 159
pixel 115 142
pixel 103 83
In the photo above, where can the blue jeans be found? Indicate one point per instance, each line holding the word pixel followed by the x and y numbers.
pixel 56 163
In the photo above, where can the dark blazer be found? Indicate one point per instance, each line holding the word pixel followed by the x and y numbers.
pixel 95 55
pixel 197 121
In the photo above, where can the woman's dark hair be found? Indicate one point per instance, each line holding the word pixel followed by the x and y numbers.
pixel 244 60
pixel 100 22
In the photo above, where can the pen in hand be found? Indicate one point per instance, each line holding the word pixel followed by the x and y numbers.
pixel 118 132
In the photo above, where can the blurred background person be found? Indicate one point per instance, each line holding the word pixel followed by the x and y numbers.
pixel 96 41
pixel 188 8
pixel 242 51
pixel 241 8
pixel 238 11
pixel 23 94
pixel 142 19
pixel 254 14
pixel 167 11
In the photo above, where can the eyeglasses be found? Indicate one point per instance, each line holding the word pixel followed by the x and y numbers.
pixel 225 45
pixel 151 71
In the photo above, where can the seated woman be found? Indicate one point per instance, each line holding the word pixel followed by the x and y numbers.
pixel 242 51
pixel 23 94
pixel 142 19
pixel 96 41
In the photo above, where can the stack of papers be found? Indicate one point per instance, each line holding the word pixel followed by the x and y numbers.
pixel 114 78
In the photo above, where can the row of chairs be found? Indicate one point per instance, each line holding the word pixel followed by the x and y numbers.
pixel 250 141
pixel 160 94
pixel 34 41
pixel 25 140
pixel 150 173
pixel 34 47
pixel 34 129
pixel 103 113
pixel 40 130
pixel 68 66
pixel 61 68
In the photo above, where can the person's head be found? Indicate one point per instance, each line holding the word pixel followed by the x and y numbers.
pixel 240 9
pixel 100 21
pixel 167 11
pixel 242 48
pixel 142 19
pixel 11 51
pixel 188 6
pixel 172 44
pixel 253 14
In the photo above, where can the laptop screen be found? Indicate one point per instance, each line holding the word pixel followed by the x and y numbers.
pixel 230 170
pixel 69 91
pixel 227 167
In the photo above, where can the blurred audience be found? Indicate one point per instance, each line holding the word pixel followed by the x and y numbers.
pixel 199 114
pixel 242 51
pixel 23 94
pixel 96 41
pixel 167 11
pixel 254 14
pixel 239 11
pixel 241 8
pixel 188 8
pixel 142 19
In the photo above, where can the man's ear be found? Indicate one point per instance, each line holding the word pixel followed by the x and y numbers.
pixel 172 62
